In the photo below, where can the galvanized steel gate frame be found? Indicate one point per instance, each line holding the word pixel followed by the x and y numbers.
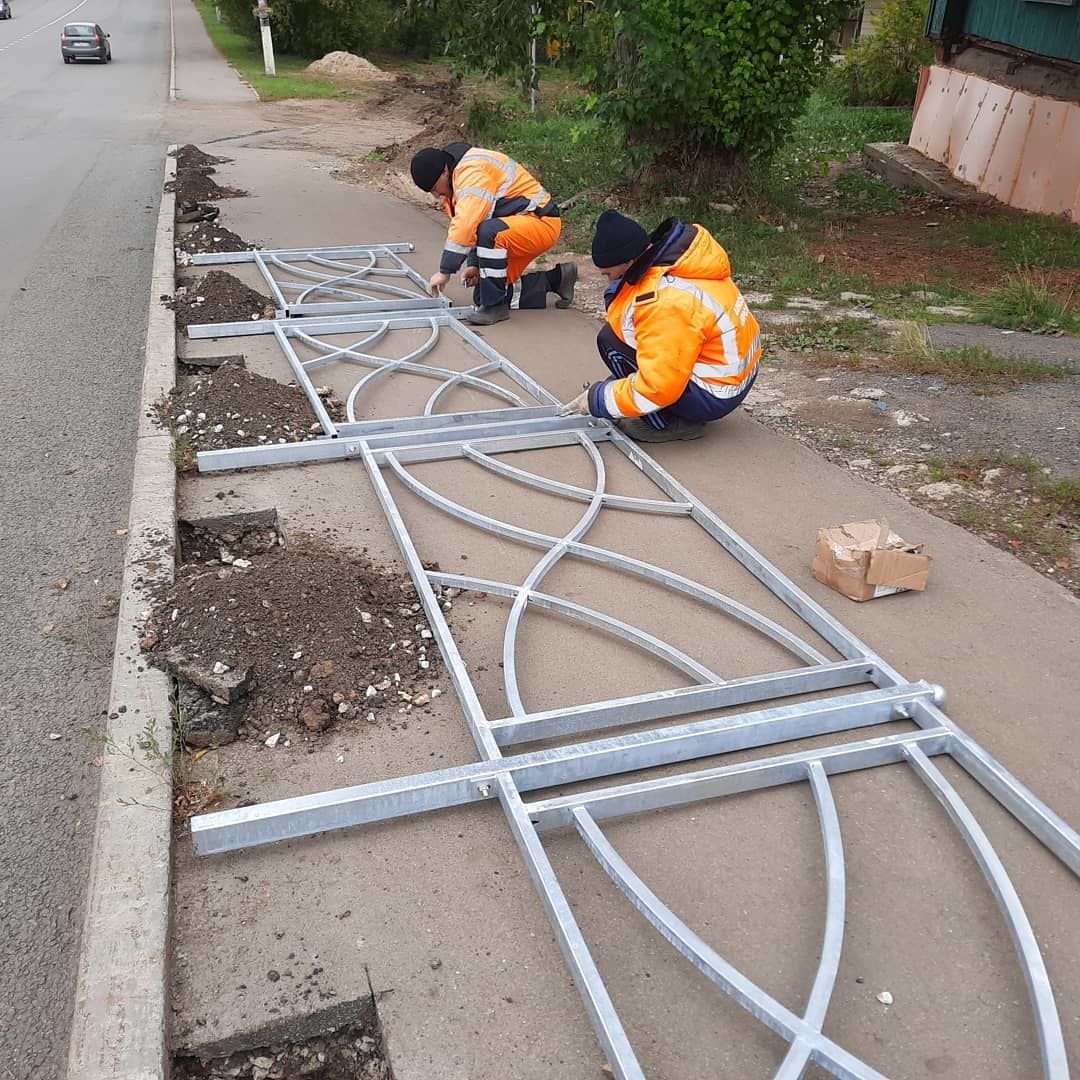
pixel 876 692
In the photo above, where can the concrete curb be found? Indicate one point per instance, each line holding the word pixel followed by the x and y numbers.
pixel 118 1025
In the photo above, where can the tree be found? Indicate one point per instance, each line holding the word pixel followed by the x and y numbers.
pixel 883 68
pixel 706 86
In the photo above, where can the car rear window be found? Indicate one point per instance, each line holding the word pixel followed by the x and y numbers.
pixel 78 30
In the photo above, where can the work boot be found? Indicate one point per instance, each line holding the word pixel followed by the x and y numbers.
pixel 677 428
pixel 566 284
pixel 487 316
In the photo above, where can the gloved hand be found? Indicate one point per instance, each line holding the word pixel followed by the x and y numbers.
pixel 578 407
pixel 438 282
pixel 470 276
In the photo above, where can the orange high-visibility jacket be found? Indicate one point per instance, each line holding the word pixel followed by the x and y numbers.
pixel 688 322
pixel 486 183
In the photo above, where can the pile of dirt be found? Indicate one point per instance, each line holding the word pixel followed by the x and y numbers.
pixel 217 297
pixel 196 185
pixel 347 65
pixel 191 157
pixel 235 407
pixel 315 638
pixel 442 112
pixel 206 236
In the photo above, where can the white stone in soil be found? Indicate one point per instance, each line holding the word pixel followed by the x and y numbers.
pixel 867 393
pixel 885 997
pixel 370 692
pixel 941 490
pixel 220 668
pixel 273 740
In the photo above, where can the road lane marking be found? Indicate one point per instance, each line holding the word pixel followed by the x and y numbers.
pixel 59 18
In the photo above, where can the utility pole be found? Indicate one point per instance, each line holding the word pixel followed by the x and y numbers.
pixel 533 74
pixel 262 12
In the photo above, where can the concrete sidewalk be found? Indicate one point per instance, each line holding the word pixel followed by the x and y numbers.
pixel 441 915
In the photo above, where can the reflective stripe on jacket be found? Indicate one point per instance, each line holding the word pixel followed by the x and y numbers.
pixel 485 184
pixel 687 321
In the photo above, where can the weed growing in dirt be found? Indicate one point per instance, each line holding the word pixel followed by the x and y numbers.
pixel 1028 303
pixel 183 453
pixel 1026 240
pixel 836 335
pixel 913 350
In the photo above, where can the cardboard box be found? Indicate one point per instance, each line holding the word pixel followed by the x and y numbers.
pixel 865 559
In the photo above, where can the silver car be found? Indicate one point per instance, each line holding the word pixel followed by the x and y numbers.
pixel 84 41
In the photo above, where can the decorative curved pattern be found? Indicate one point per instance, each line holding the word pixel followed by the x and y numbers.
pixel 409 364
pixel 792 711
pixel 807 1040
pixel 695 589
pixel 597 619
pixel 359 278
pixel 799 1054
pixel 1051 1041
pixel 570 491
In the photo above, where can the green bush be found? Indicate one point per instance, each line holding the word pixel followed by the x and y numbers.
pixel 883 68
pixel 706 86
pixel 313 28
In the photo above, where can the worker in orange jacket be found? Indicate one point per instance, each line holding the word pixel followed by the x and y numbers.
pixel 680 342
pixel 501 218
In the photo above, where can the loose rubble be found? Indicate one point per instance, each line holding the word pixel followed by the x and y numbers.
pixel 283 645
pixel 217 297
pixel 233 406
pixel 352 1053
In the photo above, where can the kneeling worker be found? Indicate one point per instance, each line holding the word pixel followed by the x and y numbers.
pixel 680 342
pixel 500 220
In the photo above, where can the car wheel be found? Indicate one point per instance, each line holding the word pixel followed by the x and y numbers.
pixel 67 59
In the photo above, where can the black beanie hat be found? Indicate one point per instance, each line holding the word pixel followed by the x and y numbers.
pixel 427 166
pixel 618 239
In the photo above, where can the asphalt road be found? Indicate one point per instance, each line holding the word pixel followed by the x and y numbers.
pixel 81 151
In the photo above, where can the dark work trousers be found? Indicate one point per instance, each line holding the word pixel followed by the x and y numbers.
pixel 696 404
pixel 504 247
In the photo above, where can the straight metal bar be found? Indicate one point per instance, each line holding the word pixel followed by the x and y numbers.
pixel 679 790
pixel 335 324
pixel 435 422
pixel 224 258
pixel 303 815
pixel 664 704
pixel 361 307
pixel 710 963
pixel 598 1004
pixel 455 665
pixel 302 377
pixel 1051 1040
pixel 1020 801
pixel 268 277
pixel 325 449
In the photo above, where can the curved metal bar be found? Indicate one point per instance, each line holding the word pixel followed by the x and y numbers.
pixel 1047 1023
pixel 408 366
pixel 597 619
pixel 605 557
pixel 372 267
pixel 330 353
pixel 457 380
pixel 709 962
pixel 537 574
pixel 388 367
pixel 571 491
pixel 325 282
pixel 799 1054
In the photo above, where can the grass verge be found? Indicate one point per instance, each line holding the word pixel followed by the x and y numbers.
pixel 291 81
pixel 1028 303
